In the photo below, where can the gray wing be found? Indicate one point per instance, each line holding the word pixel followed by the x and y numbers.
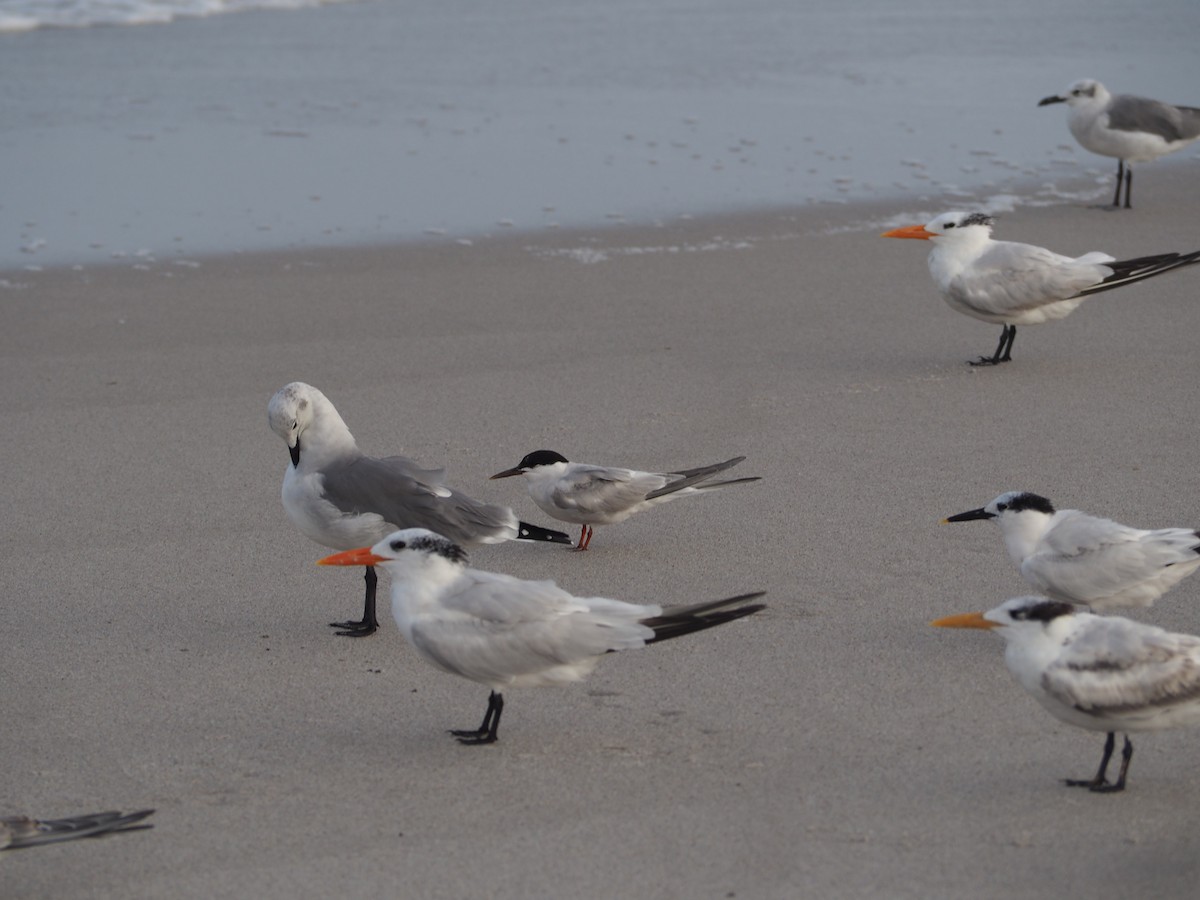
pixel 407 496
pixel 1171 123
pixel 1012 277
pixel 1117 666
pixel 598 489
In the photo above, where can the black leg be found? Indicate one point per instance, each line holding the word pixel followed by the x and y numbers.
pixel 1128 200
pixel 1003 349
pixel 369 623
pixel 1120 177
pixel 1100 782
pixel 1126 756
pixel 486 732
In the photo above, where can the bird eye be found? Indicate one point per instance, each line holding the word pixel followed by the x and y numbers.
pixel 1001 507
pixel 397 545
pixel 949 225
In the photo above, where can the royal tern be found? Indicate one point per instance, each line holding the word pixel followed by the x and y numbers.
pixel 342 498
pixel 504 632
pixel 23 831
pixel 1101 673
pixel 1133 129
pixel 588 495
pixel 1019 284
pixel 1077 558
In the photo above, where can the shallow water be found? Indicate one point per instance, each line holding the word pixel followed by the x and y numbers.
pixel 381 121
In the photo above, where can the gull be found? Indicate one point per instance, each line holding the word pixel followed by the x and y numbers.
pixel 588 495
pixel 504 632
pixel 1015 284
pixel 24 831
pixel 1082 559
pixel 1100 673
pixel 1133 129
pixel 342 498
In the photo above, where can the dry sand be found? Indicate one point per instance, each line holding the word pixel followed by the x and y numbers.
pixel 165 637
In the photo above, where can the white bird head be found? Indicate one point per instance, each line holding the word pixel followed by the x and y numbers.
pixel 532 462
pixel 951 226
pixel 1013 618
pixel 1086 92
pixel 1008 507
pixel 297 408
pixel 408 552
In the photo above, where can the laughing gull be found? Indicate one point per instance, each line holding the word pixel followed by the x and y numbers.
pixel 1077 558
pixel 342 498
pixel 588 495
pixel 504 632
pixel 1133 129
pixel 1019 284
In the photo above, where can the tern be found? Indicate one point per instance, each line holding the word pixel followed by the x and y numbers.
pixel 1100 673
pixel 1133 129
pixel 504 632
pixel 342 498
pixel 24 831
pixel 588 495
pixel 1015 284
pixel 1076 558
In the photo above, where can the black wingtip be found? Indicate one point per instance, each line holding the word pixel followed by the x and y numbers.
pixel 527 532
pixel 683 620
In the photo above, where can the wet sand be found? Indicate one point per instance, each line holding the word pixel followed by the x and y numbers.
pixel 166 638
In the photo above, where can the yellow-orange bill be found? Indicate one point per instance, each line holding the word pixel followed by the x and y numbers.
pixel 963 620
pixel 917 232
pixel 362 556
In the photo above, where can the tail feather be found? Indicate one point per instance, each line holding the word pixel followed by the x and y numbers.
pixel 22 831
pixel 1128 271
pixel 527 532
pixel 691 477
pixel 682 620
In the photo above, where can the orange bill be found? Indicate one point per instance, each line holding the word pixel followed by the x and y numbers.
pixel 964 620
pixel 917 232
pixel 361 556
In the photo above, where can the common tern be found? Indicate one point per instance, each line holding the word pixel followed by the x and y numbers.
pixel 1100 673
pixel 342 498
pixel 1133 129
pixel 24 831
pixel 1077 558
pixel 504 632
pixel 588 495
pixel 1015 284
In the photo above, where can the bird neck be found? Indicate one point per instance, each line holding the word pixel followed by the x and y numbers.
pixel 1022 533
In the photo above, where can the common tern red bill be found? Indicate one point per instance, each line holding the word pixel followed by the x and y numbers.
pixel 1100 673
pixel 25 831
pixel 342 498
pixel 1077 558
pixel 1133 129
pixel 504 632
pixel 1015 284
pixel 589 495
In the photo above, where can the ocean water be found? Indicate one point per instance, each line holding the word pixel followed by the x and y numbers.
pixel 287 123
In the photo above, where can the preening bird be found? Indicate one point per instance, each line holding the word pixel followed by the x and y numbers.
pixel 1071 556
pixel 589 495
pixel 342 498
pixel 1100 673
pixel 504 632
pixel 1133 129
pixel 1014 284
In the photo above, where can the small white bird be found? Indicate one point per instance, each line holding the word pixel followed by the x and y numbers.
pixel 588 495
pixel 1100 673
pixel 1133 129
pixel 342 498
pixel 504 632
pixel 1077 558
pixel 1015 284
pixel 24 831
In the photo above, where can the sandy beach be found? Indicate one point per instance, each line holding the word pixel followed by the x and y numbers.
pixel 166 638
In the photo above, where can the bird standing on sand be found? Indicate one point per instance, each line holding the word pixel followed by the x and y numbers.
pixel 588 495
pixel 504 632
pixel 1015 284
pixel 342 498
pixel 1133 129
pixel 1100 673
pixel 1077 558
